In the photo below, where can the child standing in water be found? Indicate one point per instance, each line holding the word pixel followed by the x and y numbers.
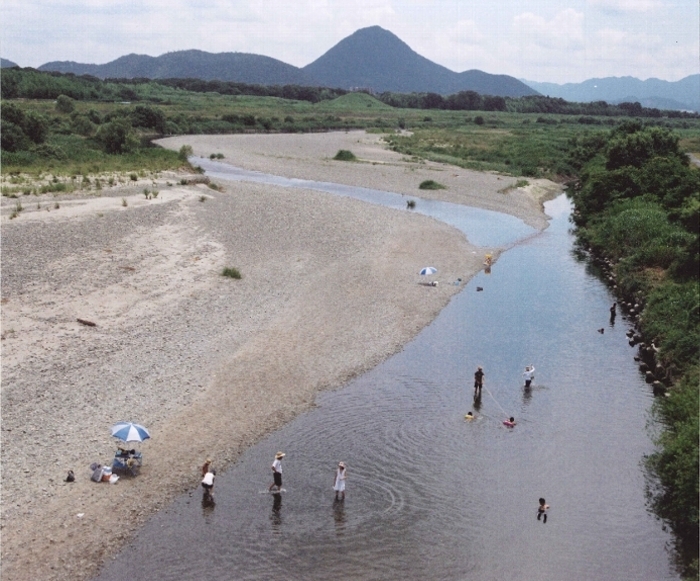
pixel 542 510
pixel 339 482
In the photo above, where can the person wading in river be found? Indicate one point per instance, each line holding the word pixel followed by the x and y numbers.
pixel 339 481
pixel 277 471
pixel 478 381
pixel 529 375
pixel 542 510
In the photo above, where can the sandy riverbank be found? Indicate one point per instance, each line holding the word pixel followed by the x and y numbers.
pixel 209 364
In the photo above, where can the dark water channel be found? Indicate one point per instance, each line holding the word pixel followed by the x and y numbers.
pixel 430 495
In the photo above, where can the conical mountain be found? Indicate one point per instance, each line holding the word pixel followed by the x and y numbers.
pixel 377 59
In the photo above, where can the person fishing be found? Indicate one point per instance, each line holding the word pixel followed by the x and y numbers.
pixel 529 375
pixel 478 381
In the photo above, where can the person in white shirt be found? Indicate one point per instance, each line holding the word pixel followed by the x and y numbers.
pixel 208 482
pixel 529 375
pixel 277 471
pixel 339 482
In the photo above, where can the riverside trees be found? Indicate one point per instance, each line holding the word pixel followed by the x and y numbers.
pixel 637 205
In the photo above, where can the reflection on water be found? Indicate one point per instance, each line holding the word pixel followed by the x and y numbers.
pixel 339 517
pixel 276 515
pixel 432 495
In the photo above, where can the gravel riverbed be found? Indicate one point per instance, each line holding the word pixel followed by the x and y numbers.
pixel 210 364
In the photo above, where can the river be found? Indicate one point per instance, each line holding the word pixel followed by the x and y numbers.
pixel 431 495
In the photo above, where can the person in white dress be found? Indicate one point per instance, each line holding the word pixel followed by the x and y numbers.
pixel 339 482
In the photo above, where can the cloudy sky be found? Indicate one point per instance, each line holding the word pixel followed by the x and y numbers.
pixel 541 40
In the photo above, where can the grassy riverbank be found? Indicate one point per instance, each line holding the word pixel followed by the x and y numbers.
pixel 637 209
pixel 69 125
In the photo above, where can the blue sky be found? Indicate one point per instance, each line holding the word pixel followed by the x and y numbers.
pixel 546 40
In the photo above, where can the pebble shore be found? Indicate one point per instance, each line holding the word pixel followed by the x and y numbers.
pixel 210 364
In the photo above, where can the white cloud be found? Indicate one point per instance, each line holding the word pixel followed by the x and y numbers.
pixel 454 47
pixel 615 52
pixel 624 6
pixel 563 32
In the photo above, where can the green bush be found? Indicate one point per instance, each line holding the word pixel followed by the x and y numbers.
pixel 431 185
pixel 345 155
pixel 231 273
pixel 48 151
pixel 13 138
pixel 64 104
pixel 185 152
pixel 82 125
pixel 674 466
pixel 36 126
pixel 672 317
pixel 118 137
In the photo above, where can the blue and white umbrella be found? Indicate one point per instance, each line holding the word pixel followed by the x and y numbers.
pixel 428 270
pixel 130 432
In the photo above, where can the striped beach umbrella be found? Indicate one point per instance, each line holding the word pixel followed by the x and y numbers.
pixel 130 432
pixel 428 270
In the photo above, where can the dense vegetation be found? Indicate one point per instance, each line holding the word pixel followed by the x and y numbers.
pixel 73 125
pixel 32 84
pixel 637 205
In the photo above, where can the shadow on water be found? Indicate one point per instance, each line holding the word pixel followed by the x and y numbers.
pixel 431 495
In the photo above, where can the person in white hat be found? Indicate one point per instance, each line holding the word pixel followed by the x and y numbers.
pixel 339 482
pixel 277 471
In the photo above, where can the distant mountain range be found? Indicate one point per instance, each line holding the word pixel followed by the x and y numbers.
pixel 376 59
pixel 194 64
pixel 4 63
pixel 683 94
pixel 371 58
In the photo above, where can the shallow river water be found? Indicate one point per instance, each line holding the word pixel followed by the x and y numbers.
pixel 429 494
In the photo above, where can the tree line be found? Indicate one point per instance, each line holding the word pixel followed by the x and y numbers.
pixel 32 84
pixel 637 205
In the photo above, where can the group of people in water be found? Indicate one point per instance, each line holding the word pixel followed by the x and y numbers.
pixel 209 473
pixel 528 377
